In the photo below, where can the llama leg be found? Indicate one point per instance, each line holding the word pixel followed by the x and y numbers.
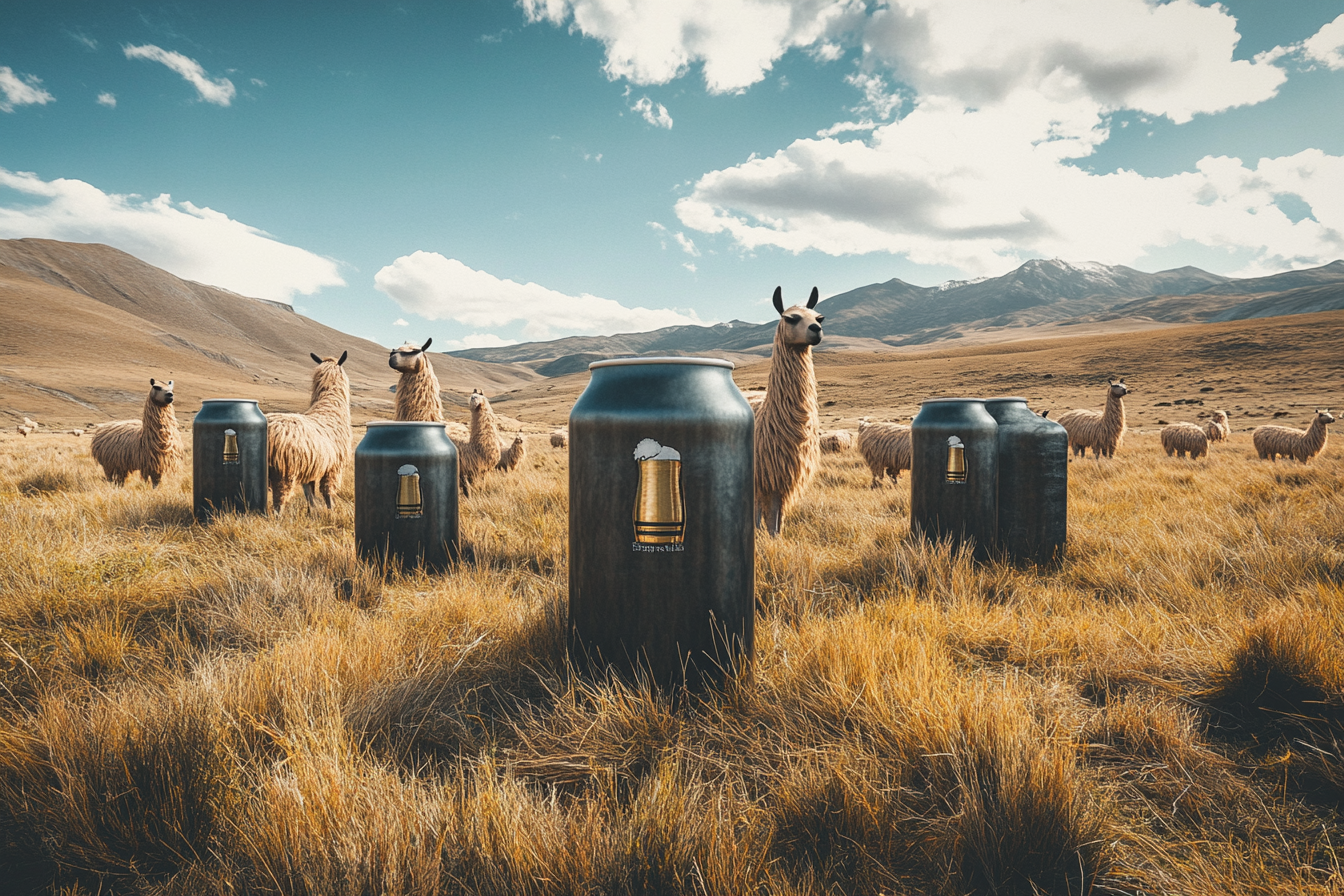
pixel 280 485
pixel 308 495
pixel 327 486
pixel 774 516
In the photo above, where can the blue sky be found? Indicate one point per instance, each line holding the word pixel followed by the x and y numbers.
pixel 486 172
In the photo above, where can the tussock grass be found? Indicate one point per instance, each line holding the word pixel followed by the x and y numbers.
pixel 246 707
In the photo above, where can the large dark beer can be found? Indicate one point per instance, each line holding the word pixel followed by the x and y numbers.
pixel 661 538
pixel 1033 482
pixel 406 495
pixel 228 458
pixel 954 449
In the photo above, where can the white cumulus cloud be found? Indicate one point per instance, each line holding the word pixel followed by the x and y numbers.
pixel 1327 45
pixel 219 91
pixel 190 241
pixel 21 90
pixel 107 99
pixel 439 288
pixel 401 322
pixel 655 114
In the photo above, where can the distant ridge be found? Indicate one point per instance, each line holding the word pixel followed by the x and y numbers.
pixel 1033 301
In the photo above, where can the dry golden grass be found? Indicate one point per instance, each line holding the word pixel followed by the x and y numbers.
pixel 245 708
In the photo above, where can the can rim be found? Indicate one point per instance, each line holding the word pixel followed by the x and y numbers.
pixel 404 423
pixel 1006 398
pixel 954 400
pixel 694 361
pixel 247 400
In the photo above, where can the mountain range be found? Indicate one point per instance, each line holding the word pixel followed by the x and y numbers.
pixel 1041 298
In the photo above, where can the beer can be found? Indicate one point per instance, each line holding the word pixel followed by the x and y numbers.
pixel 228 458
pixel 1033 494
pixel 954 473
pixel 406 495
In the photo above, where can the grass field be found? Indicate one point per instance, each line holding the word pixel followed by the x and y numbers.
pixel 245 708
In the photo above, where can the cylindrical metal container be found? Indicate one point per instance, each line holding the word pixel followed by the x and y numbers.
pixel 954 472
pixel 1033 482
pixel 228 458
pixel 406 495
pixel 661 537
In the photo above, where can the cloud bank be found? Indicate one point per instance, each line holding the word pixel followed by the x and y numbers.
pixel 439 288
pixel 192 242
pixel 1000 104
pixel 21 90
pixel 219 91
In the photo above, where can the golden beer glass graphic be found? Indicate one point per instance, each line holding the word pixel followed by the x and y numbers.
pixel 660 517
pixel 408 492
pixel 956 460
pixel 231 447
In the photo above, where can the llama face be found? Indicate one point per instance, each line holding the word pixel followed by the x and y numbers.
pixel 798 325
pixel 1325 416
pixel 1119 389
pixel 161 393
pixel 408 358
pixel 477 399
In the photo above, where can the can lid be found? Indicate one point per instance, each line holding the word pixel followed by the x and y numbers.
pixel 953 401
pixel 997 398
pixel 403 423
pixel 628 362
pixel 229 400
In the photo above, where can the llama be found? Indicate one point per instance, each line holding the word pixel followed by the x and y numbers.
pixel 787 446
pixel 312 447
pixel 1218 429
pixel 150 445
pixel 886 449
pixel 418 388
pixel 1185 438
pixel 24 430
pixel 481 453
pixel 1102 431
pixel 836 441
pixel 560 438
pixel 1300 444
pixel 512 456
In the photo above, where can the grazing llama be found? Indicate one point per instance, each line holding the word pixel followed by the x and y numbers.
pixel 1218 429
pixel 1185 438
pixel 885 448
pixel 1300 444
pixel 1102 431
pixel 481 453
pixel 788 449
pixel 312 448
pixel 150 445
pixel 560 438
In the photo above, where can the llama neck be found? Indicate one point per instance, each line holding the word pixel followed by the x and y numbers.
pixel 484 423
pixel 330 399
pixel 418 395
pixel 1115 410
pixel 158 425
pixel 791 391
pixel 1316 436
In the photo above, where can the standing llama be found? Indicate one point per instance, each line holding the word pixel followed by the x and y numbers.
pixel 481 453
pixel 150 445
pixel 1300 444
pixel 788 449
pixel 1185 438
pixel 1218 429
pixel 512 456
pixel 1102 431
pixel 886 449
pixel 418 388
pixel 312 448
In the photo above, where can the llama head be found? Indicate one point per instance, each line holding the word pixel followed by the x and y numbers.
pixel 477 400
pixel 1118 388
pixel 408 358
pixel 518 439
pixel 1220 416
pixel 329 375
pixel 161 393
pixel 1324 416
pixel 798 325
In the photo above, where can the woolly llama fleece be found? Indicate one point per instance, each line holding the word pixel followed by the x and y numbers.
pixel 1301 445
pixel 1181 439
pixel 151 445
pixel 312 448
pixel 788 447
pixel 1103 430
pixel 418 388
pixel 481 453
pixel 1218 429
pixel 885 448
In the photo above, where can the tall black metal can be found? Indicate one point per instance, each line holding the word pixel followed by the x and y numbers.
pixel 1033 482
pixel 228 458
pixel 406 495
pixel 954 472
pixel 661 537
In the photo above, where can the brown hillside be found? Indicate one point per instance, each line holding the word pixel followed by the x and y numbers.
pixel 85 326
pixel 1266 370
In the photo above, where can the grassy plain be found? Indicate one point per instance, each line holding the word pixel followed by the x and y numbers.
pixel 245 708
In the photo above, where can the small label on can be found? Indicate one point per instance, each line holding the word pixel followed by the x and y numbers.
pixel 657 548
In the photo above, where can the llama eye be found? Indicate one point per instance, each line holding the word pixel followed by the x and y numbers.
pixel 820 318
pixel 793 318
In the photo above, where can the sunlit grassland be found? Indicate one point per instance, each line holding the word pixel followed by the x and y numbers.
pixel 244 707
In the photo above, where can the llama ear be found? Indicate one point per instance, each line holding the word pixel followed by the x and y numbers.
pixel 151 381
pixel 427 342
pixel 812 299
pixel 779 300
pixel 316 359
pixel 343 357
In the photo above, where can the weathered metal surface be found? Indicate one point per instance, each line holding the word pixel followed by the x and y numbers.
pixel 661 538
pixel 1033 482
pixel 228 458
pixel 406 495
pixel 954 473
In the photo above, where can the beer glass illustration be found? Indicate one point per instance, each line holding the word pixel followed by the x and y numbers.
pixel 659 515
pixel 956 460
